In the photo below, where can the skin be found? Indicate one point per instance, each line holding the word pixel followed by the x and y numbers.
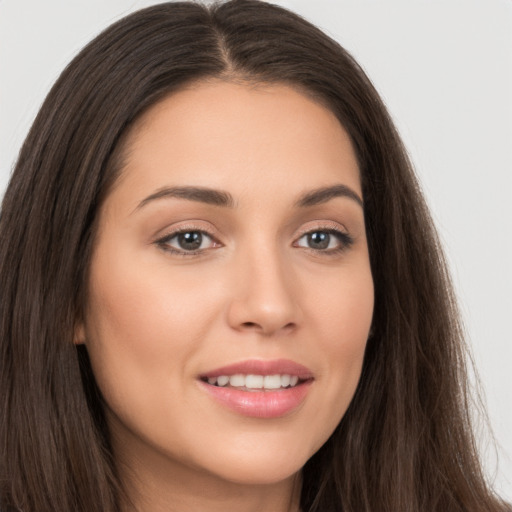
pixel 158 319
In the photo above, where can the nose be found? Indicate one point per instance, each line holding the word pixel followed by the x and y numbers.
pixel 264 298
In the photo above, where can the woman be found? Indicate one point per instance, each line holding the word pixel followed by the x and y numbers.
pixel 221 286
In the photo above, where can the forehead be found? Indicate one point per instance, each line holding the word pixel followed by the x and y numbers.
pixel 240 137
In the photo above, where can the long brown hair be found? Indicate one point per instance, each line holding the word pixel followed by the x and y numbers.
pixel 405 443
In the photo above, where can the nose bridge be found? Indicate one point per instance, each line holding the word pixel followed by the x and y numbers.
pixel 263 298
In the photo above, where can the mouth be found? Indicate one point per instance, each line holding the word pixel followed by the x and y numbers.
pixel 261 389
pixel 255 383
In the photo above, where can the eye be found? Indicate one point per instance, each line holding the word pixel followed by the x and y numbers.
pixel 325 240
pixel 187 242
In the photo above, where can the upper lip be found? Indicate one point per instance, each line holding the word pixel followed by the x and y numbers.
pixel 262 367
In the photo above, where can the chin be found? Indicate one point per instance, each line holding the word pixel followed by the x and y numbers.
pixel 270 473
pixel 261 464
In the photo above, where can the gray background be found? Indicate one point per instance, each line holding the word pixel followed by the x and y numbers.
pixel 444 68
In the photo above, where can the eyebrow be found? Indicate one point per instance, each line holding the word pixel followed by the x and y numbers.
pixel 199 194
pixel 221 198
pixel 324 194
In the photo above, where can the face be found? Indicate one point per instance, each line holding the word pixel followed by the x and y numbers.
pixel 230 293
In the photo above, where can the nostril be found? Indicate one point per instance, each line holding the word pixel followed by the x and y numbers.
pixel 250 324
pixel 267 329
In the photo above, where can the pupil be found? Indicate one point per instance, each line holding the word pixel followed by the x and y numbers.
pixel 190 241
pixel 319 240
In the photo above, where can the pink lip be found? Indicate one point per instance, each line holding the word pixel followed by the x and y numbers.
pixel 260 404
pixel 262 367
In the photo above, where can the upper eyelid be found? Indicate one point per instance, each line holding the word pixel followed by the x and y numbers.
pixel 169 232
pixel 324 225
pixel 188 230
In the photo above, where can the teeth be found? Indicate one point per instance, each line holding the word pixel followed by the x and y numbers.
pixel 237 381
pixel 272 382
pixel 255 381
pixel 222 380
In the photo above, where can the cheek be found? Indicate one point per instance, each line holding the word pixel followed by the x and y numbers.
pixel 343 308
pixel 342 321
pixel 143 324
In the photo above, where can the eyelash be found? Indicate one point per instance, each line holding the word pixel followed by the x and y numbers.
pixel 344 239
pixel 163 242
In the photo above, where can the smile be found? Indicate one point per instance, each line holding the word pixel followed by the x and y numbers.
pixel 253 382
pixel 259 389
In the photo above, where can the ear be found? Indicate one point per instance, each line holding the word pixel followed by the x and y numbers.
pixel 79 334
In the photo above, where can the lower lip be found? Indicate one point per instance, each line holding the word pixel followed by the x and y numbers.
pixel 260 404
